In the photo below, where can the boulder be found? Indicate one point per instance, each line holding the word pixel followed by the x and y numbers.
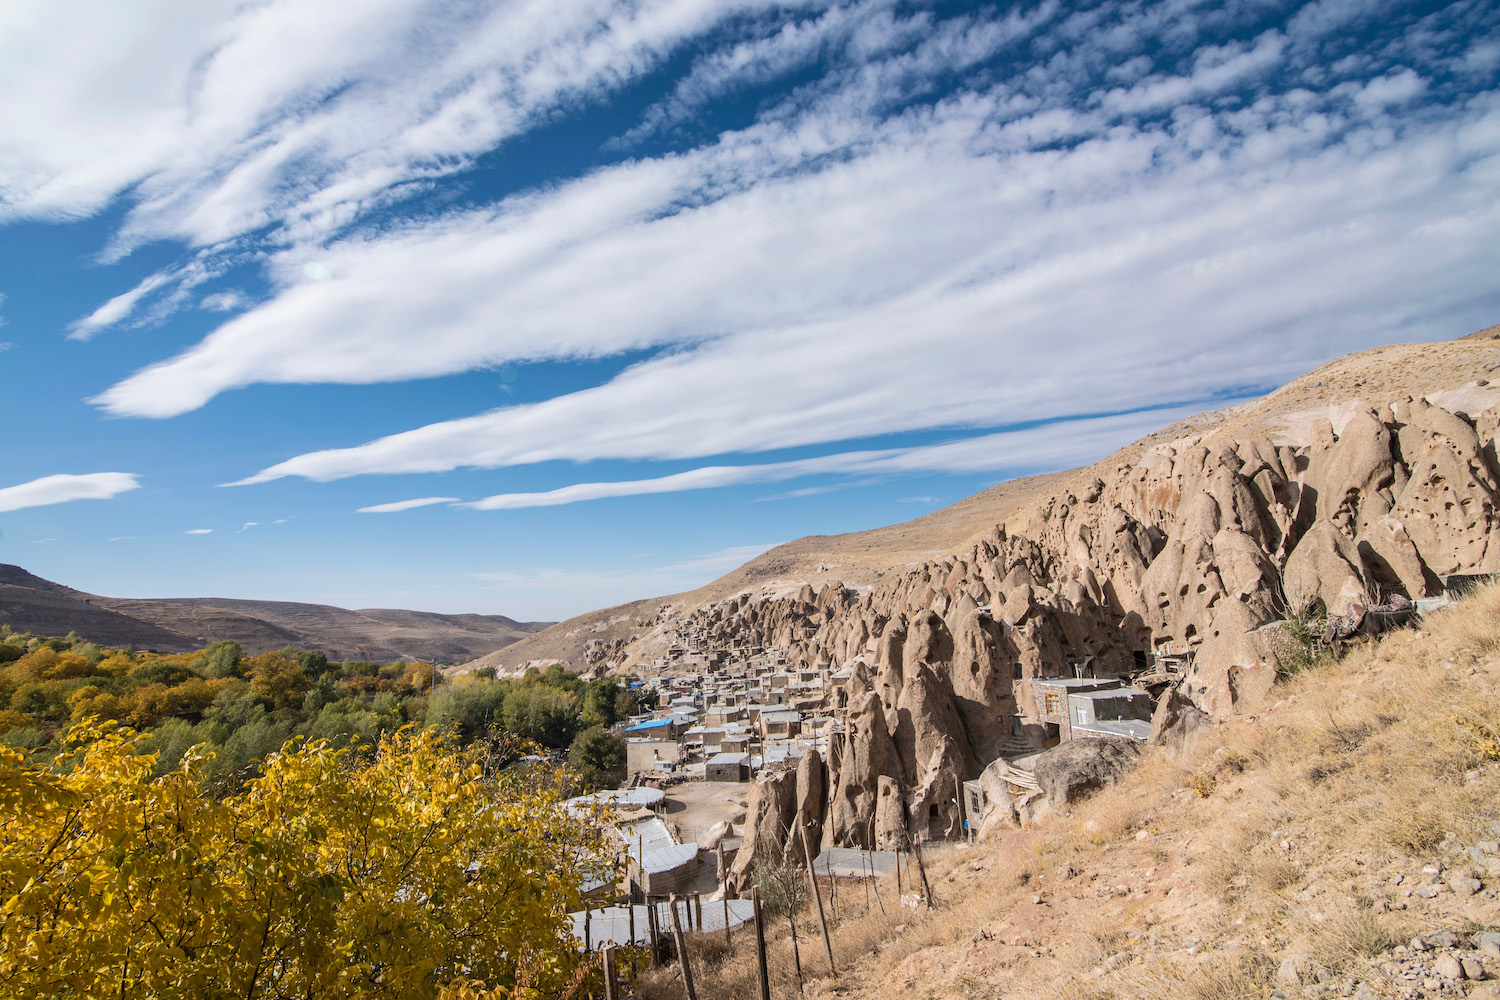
pixel 1325 564
pixel 1071 771
pixel 928 722
pixel 890 817
pixel 1175 720
pixel 807 821
pixel 982 676
pixel 1235 666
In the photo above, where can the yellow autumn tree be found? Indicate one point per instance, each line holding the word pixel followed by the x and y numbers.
pixel 398 874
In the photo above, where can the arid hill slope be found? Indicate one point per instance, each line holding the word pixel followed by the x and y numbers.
pixel 1447 372
pixel 1297 851
pixel 177 625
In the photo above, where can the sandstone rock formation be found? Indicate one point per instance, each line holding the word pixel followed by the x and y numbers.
pixel 1194 546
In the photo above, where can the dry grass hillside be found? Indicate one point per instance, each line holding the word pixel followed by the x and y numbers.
pixel 1455 371
pixel 1297 851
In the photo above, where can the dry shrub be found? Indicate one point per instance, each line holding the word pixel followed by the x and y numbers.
pixel 1268 873
pixel 1078 989
pixel 1415 831
pixel 1202 784
pixel 1474 621
pixel 1222 977
pixel 1242 870
pixel 1349 935
pixel 708 949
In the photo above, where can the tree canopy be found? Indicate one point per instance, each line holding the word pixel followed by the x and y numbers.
pixel 403 873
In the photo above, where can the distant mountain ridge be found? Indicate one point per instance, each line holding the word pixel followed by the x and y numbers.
pixel 31 603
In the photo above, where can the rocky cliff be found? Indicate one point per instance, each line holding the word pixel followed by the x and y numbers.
pixel 1372 476
pixel 1190 543
pixel 1194 545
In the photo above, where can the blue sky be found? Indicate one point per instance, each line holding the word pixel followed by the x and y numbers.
pixel 532 307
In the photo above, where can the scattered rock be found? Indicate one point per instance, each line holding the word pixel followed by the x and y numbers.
pixel 1462 885
pixel 1448 967
pixel 1444 939
pixel 1291 970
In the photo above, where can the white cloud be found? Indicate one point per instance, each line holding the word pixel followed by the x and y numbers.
pixel 199 531
pixel 117 308
pixel 1397 87
pixel 1025 252
pixel 246 527
pixel 62 488
pixel 229 117
pixel 400 505
pixel 1038 449
pixel 225 301
pixel 1106 211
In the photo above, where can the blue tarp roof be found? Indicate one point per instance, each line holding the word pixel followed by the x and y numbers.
pixel 652 724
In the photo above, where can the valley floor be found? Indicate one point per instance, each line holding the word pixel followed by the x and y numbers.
pixel 1344 840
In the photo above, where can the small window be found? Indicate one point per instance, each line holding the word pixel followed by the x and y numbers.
pixel 1018 674
pixel 1054 703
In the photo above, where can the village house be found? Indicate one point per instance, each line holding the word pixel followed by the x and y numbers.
pixel 1072 707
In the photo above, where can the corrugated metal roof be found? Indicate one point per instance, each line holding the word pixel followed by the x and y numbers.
pixel 729 758
pixel 611 924
pixel 646 835
pixel 664 859
pixel 846 862
pixel 651 724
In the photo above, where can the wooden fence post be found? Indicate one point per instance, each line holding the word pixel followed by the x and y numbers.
pixel 611 988
pixel 916 850
pixel 682 955
pixel 812 878
pixel 791 922
pixel 760 944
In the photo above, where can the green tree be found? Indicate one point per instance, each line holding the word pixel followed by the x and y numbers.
pixel 545 715
pixel 221 659
pixel 469 706
pixel 599 758
pixel 599 699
